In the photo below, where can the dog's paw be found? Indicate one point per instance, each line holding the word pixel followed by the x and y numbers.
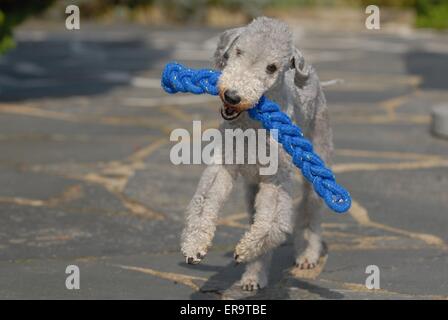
pixel 252 283
pixel 305 264
pixel 307 260
pixel 195 244
pixel 249 248
pixel 193 253
pixel 195 259
pixel 242 254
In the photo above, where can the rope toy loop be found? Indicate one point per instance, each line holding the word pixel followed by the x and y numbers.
pixel 178 78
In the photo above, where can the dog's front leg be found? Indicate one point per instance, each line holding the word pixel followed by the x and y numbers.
pixel 202 212
pixel 272 222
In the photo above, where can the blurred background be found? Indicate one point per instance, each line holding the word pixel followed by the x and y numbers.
pixel 85 176
pixel 418 13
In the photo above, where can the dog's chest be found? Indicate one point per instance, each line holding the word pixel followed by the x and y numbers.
pixel 258 144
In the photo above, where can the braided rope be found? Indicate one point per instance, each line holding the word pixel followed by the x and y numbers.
pixel 177 78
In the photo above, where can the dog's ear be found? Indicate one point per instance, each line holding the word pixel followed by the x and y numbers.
pixel 225 43
pixel 302 71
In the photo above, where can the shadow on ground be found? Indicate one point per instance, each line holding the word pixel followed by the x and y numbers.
pixel 431 67
pixel 71 67
pixel 223 284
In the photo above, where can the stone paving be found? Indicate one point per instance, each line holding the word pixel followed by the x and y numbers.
pixel 86 178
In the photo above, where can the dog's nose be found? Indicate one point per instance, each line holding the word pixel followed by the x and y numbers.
pixel 231 97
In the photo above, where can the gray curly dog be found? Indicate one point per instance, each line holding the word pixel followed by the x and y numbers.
pixel 258 59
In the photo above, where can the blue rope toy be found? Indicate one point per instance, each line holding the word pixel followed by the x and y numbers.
pixel 178 78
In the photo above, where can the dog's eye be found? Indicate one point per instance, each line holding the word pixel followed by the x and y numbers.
pixel 238 51
pixel 271 68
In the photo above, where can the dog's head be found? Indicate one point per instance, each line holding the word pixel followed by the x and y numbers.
pixel 253 59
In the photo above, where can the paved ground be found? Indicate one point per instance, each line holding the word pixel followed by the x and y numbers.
pixel 85 176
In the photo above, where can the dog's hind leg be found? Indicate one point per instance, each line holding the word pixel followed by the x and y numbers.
pixel 251 193
pixel 201 215
pixel 257 273
pixel 307 239
pixel 272 222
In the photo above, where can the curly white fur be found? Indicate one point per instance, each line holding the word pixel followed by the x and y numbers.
pixel 243 55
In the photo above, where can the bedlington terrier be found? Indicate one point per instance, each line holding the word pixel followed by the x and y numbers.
pixel 258 59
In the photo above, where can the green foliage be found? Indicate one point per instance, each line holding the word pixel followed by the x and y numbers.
pixel 354 3
pixel 6 41
pixel 389 3
pixel 12 13
pixel 432 14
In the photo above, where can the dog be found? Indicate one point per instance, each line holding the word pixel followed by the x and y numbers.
pixel 255 60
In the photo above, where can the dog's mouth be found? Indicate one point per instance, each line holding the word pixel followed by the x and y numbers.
pixel 229 113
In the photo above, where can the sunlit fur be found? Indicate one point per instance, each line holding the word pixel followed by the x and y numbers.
pixel 296 87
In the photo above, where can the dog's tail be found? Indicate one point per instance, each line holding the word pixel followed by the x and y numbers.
pixel 331 82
